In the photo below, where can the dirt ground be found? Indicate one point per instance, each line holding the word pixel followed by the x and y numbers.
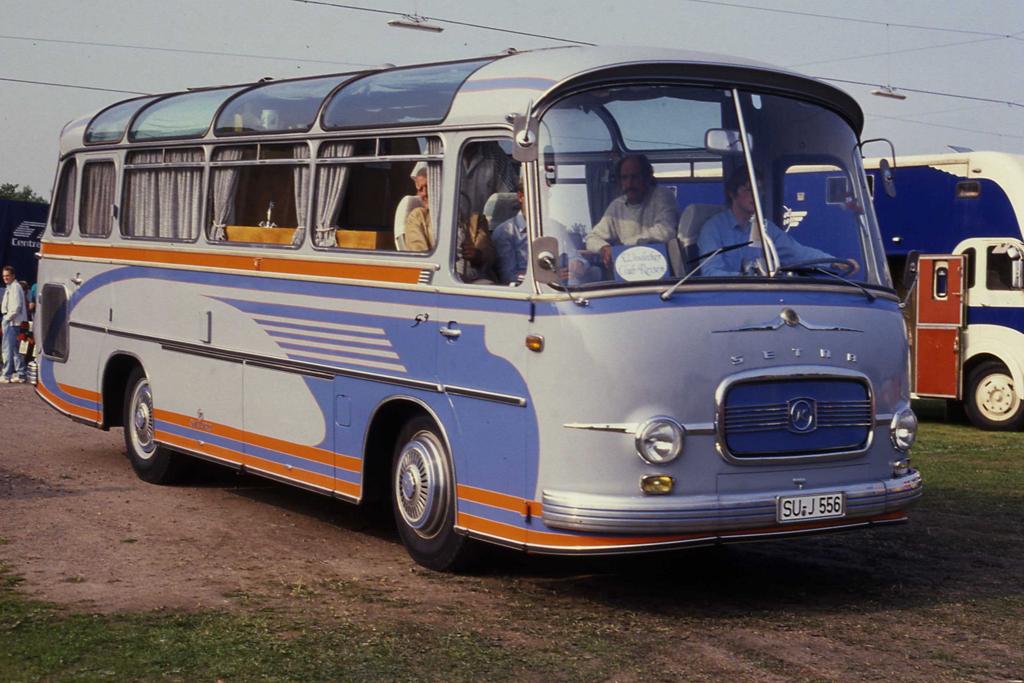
pixel 932 600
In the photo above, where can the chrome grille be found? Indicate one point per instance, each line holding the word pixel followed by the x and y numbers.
pixel 774 416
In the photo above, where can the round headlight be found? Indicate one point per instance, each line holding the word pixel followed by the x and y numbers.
pixel 660 440
pixel 903 429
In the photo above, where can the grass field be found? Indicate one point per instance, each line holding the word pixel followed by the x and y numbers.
pixel 939 599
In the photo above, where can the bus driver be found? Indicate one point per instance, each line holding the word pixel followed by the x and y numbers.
pixel 735 226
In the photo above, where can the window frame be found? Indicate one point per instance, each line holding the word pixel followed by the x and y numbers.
pixel 320 162
pixel 212 165
pixel 127 168
pixel 115 209
pixel 59 196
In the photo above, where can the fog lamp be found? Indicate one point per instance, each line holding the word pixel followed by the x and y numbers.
pixel 903 429
pixel 656 484
pixel 659 440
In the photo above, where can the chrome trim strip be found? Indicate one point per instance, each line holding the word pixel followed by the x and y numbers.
pixel 305 368
pixel 788 373
pixel 696 428
pixel 713 513
pixel 710 539
pixel 621 428
pixel 284 365
pixel 484 395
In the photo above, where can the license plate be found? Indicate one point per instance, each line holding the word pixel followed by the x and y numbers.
pixel 803 508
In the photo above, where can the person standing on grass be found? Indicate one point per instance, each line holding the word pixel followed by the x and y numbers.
pixel 14 313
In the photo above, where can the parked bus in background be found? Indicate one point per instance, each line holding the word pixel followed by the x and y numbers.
pixel 962 213
pixel 229 274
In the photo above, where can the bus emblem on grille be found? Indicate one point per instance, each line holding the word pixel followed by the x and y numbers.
pixel 803 415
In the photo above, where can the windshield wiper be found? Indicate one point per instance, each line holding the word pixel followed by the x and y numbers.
pixel 799 269
pixel 702 259
pixel 559 287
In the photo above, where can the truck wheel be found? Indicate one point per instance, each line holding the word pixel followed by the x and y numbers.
pixel 152 463
pixel 992 401
pixel 423 498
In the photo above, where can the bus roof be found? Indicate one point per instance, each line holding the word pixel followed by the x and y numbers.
pixel 474 92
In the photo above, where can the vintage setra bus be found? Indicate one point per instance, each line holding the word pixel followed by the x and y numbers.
pixel 303 279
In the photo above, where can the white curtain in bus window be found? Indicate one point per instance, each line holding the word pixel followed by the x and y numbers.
pixel 331 183
pixel 96 214
pixel 223 185
pixel 163 200
pixel 300 176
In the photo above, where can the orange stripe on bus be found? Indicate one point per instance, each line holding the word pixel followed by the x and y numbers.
pixel 502 501
pixel 491 528
pixel 320 455
pixel 65 407
pixel 200 447
pixel 79 392
pixel 253 264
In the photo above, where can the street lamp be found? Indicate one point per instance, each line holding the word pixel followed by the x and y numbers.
pixel 415 22
pixel 887 91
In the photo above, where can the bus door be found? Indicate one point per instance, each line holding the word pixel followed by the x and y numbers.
pixel 938 321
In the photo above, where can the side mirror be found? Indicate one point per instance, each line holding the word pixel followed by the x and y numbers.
pixel 910 272
pixel 545 260
pixel 888 182
pixel 726 141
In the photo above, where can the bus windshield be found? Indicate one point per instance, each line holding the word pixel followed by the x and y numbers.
pixel 665 168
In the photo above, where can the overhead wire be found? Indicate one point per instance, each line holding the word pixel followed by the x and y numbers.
pixel 442 20
pixel 71 85
pixel 177 50
pixel 873 22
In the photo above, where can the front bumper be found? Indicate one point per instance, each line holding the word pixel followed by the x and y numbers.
pixel 714 513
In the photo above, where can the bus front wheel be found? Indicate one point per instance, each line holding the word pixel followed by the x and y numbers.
pixel 151 462
pixel 423 498
pixel 992 400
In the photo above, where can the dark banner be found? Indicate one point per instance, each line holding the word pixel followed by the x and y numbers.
pixel 21 230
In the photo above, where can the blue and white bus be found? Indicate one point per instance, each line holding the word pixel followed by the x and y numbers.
pixel 962 213
pixel 242 274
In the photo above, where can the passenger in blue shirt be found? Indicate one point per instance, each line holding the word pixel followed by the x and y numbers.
pixel 734 226
pixel 510 243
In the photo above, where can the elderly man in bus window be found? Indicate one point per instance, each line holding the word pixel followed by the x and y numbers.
pixel 643 213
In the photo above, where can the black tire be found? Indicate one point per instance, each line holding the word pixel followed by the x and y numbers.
pixel 423 498
pixel 992 401
pixel 152 463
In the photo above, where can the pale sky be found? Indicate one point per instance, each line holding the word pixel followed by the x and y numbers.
pixel 151 46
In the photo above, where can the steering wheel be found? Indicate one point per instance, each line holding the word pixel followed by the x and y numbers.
pixel 844 267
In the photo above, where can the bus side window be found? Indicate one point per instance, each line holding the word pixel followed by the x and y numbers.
pixel 357 204
pixel 489 177
pixel 970 263
pixel 165 201
pixel 998 270
pixel 259 194
pixel 64 206
pixel 96 211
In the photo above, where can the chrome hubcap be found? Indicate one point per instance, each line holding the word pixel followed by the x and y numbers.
pixel 142 428
pixel 421 486
pixel 996 398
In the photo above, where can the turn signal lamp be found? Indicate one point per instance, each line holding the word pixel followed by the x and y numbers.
pixel 535 342
pixel 656 484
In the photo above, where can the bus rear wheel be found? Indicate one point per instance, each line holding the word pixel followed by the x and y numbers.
pixel 423 498
pixel 993 402
pixel 151 462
